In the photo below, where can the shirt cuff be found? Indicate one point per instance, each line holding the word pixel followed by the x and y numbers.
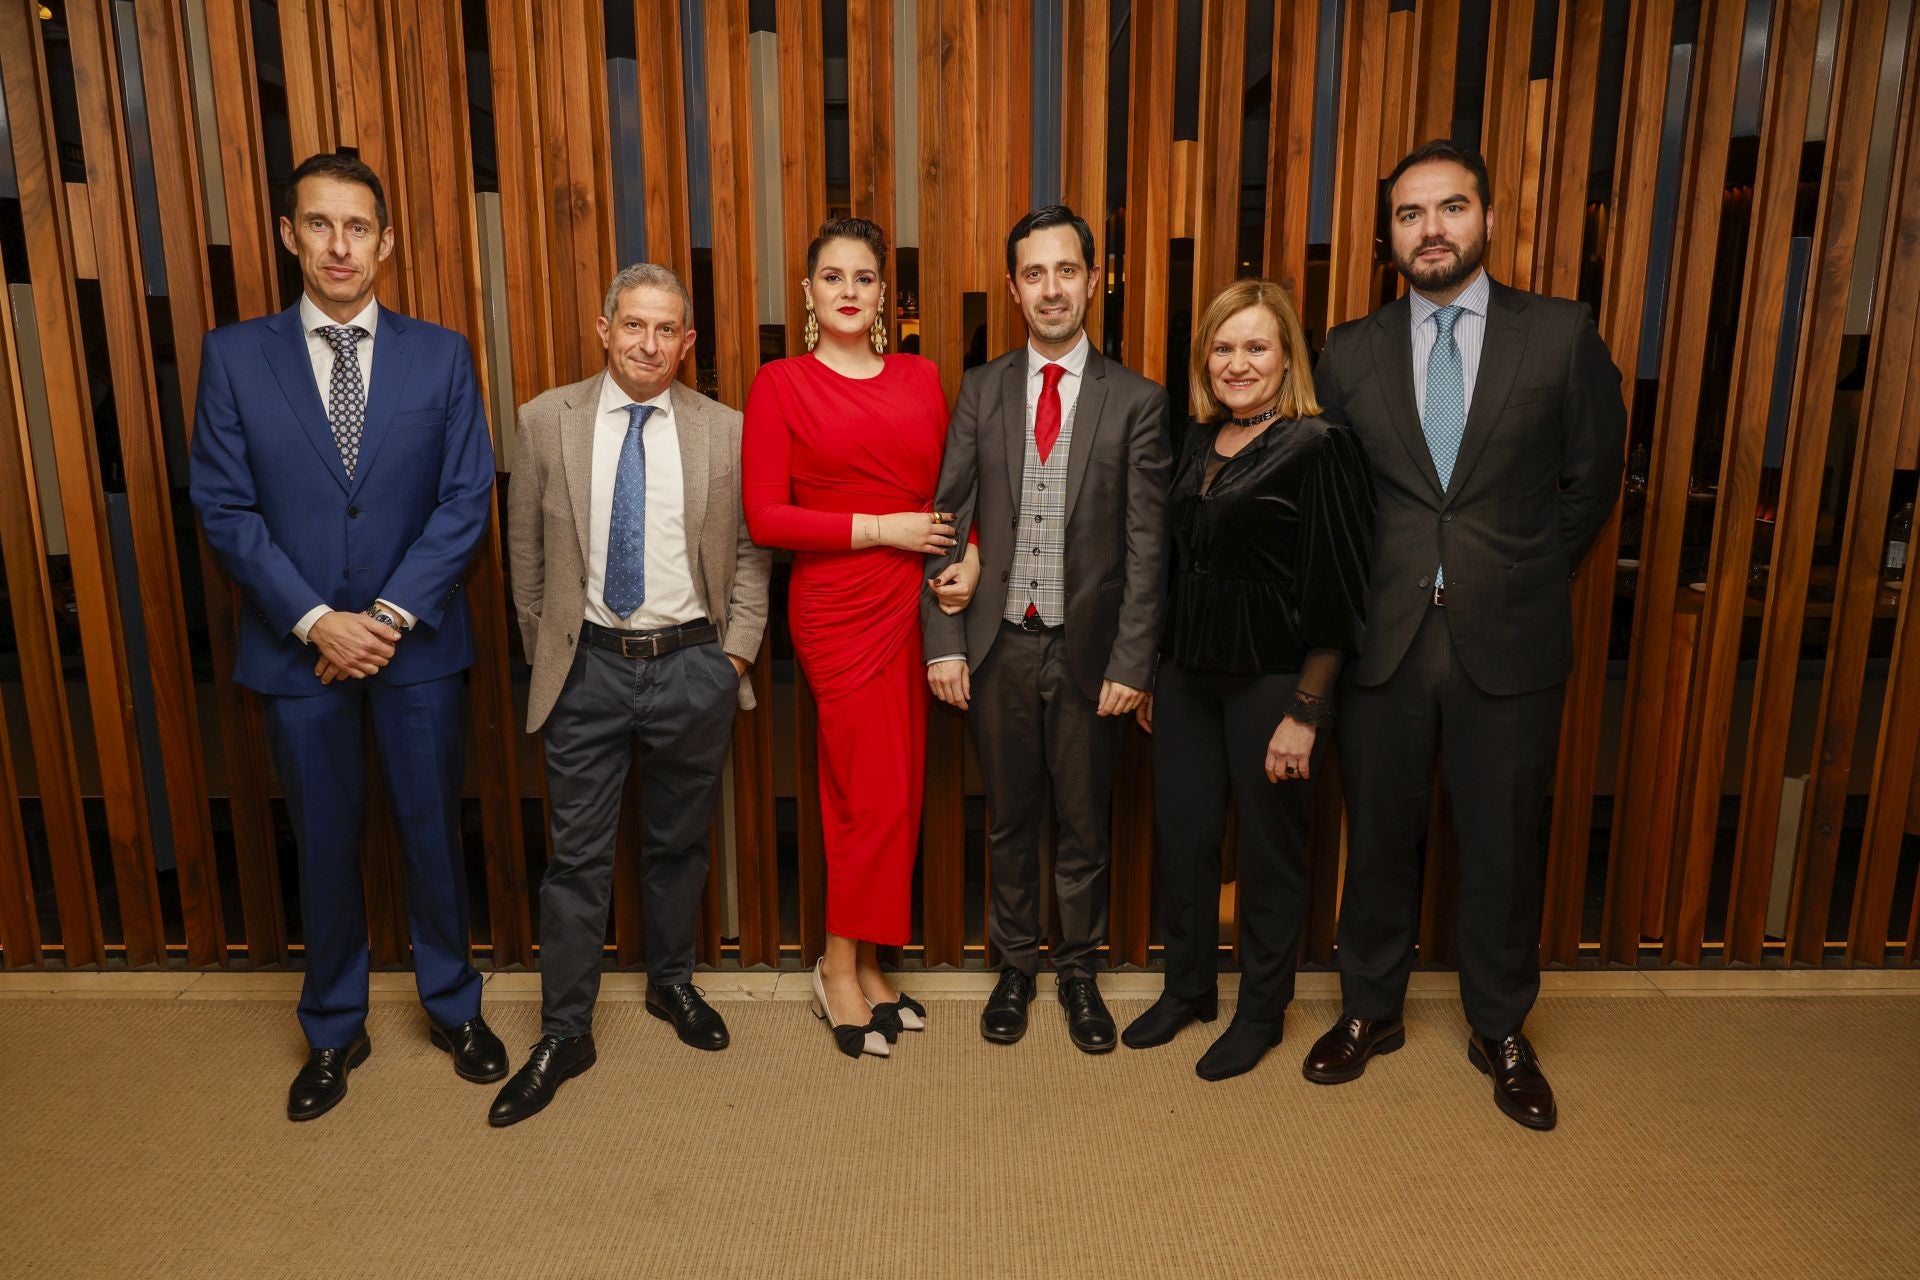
pixel 948 657
pixel 307 620
pixel 402 614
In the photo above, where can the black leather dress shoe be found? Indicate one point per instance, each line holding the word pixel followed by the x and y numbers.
pixel 1167 1018
pixel 1089 1025
pixel 1341 1054
pixel 320 1085
pixel 1004 1020
pixel 477 1053
pixel 693 1019
pixel 554 1061
pixel 1239 1048
pixel 1520 1088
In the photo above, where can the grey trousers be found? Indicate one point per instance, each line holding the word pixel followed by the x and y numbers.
pixel 1031 725
pixel 678 711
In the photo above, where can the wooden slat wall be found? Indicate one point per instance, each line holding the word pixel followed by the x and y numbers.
pixel 389 80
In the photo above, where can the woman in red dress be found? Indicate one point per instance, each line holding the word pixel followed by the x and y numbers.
pixel 841 452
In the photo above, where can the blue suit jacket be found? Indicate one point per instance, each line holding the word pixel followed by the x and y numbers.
pixel 279 511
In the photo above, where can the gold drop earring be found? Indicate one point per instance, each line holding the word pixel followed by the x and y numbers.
pixel 877 334
pixel 812 331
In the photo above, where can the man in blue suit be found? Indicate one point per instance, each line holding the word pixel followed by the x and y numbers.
pixel 343 473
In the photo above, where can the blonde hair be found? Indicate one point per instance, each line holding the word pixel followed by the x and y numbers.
pixel 1296 388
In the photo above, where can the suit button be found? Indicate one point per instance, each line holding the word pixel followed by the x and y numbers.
pixel 1034 583
pixel 1446 517
pixel 1425 583
pixel 569 638
pixel 1003 577
pixel 353 513
pixel 583 582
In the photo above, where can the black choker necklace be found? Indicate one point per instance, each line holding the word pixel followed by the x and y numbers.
pixel 1256 419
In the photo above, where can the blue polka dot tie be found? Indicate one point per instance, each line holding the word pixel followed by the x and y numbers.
pixel 626 581
pixel 1444 417
pixel 347 392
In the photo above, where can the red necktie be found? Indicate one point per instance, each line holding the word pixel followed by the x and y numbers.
pixel 1046 415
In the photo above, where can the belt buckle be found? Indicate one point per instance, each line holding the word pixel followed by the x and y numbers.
pixel 1032 624
pixel 651 647
pixel 1439 596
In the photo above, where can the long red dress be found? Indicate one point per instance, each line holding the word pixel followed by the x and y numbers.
pixel 818 447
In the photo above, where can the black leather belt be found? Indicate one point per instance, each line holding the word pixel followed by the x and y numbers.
pixel 648 644
pixel 1440 597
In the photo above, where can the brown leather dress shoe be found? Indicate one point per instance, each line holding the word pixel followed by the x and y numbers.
pixel 1520 1089
pixel 1341 1054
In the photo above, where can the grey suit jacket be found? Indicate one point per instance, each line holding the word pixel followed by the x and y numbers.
pixel 1117 473
pixel 548 499
pixel 1538 471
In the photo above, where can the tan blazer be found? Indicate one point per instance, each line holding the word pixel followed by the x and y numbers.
pixel 547 506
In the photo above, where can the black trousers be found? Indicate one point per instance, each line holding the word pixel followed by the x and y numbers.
pixel 1210 736
pixel 1031 725
pixel 1497 757
pixel 678 711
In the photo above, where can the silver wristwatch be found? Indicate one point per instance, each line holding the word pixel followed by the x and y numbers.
pixel 381 614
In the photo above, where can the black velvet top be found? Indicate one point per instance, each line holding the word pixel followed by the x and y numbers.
pixel 1271 556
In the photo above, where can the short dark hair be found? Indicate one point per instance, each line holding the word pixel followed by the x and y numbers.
pixel 1446 149
pixel 866 231
pixel 345 168
pixel 1053 215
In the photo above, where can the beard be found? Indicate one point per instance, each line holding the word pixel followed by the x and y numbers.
pixel 1438 277
pixel 1063 328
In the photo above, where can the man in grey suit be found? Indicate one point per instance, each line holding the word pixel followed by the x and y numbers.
pixel 1494 423
pixel 642 601
pixel 1058 458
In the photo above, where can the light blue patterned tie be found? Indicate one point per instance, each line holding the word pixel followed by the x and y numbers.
pixel 1444 417
pixel 626 582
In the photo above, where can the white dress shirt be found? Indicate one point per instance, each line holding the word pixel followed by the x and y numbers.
pixel 1469 334
pixel 320 354
pixel 1075 364
pixel 670 597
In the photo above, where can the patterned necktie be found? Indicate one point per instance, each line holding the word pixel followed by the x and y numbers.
pixel 346 393
pixel 1444 417
pixel 626 579
pixel 1046 414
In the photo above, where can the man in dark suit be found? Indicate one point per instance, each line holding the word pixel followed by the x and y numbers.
pixel 1495 427
pixel 1058 458
pixel 343 473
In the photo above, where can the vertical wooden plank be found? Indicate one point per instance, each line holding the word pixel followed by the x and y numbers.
pixel 110 697
pixel 1646 802
pixel 44 686
pixel 1085 45
pixel 305 65
pixel 252 240
pixel 19 923
pixel 1708 712
pixel 1869 494
pixel 1561 237
pixel 1503 127
pixel 1223 74
pixel 1859 42
pixel 172 129
pixel 803 150
pixel 1149 198
pixel 1437 44
pixel 1629 235
pixel 521 160
pixel 1296 40
pixel 1356 189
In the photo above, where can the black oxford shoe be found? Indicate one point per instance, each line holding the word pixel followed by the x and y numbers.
pixel 1341 1054
pixel 477 1053
pixel 1089 1025
pixel 1239 1048
pixel 553 1062
pixel 693 1019
pixel 320 1085
pixel 1520 1088
pixel 1004 1020
pixel 1167 1018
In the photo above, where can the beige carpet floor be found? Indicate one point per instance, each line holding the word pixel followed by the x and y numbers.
pixel 1711 1137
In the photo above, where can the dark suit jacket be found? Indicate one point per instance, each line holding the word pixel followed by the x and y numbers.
pixel 1117 470
pixel 294 532
pixel 1538 471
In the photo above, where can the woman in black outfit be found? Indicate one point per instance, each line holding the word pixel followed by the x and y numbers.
pixel 1272 517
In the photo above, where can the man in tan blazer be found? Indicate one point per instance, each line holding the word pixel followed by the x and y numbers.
pixel 642 601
